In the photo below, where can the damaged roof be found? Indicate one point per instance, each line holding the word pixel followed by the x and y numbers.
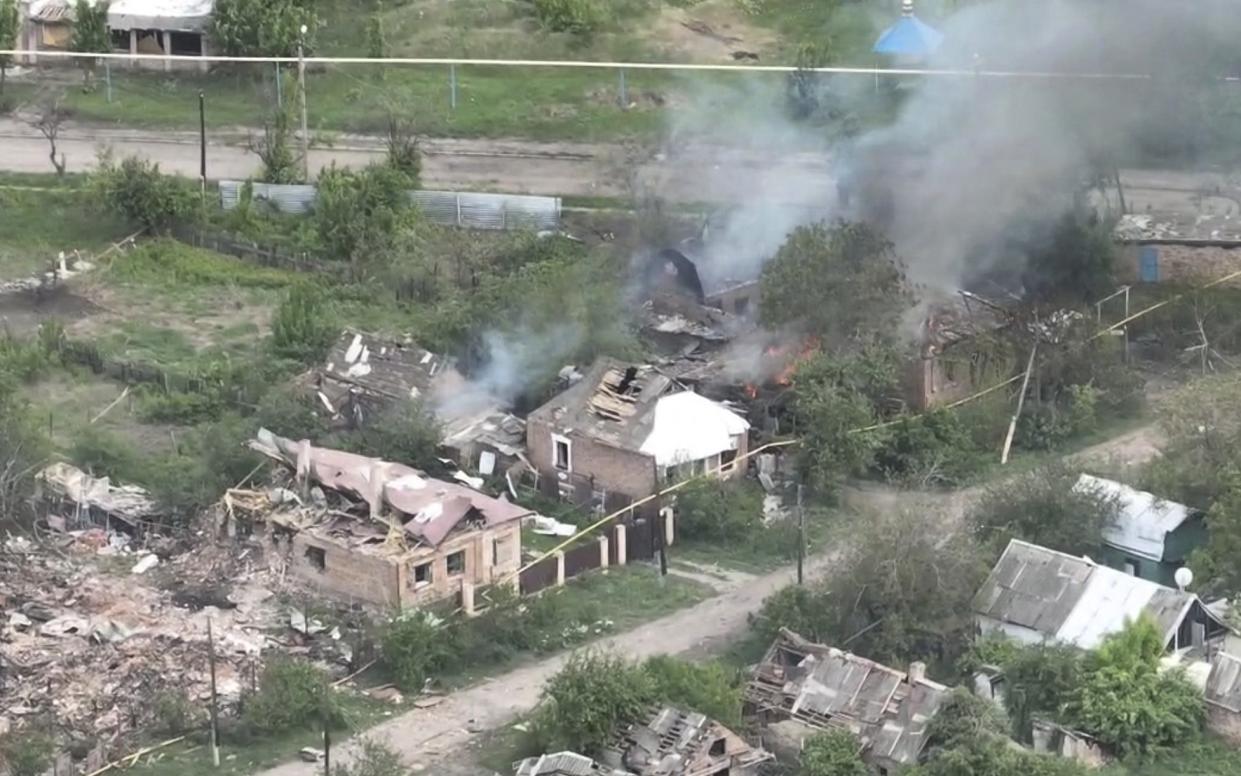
pixel 1073 600
pixel 430 509
pixel 563 764
pixel 673 742
pixel 1179 228
pixel 383 369
pixel 129 503
pixel 1144 519
pixel 638 408
pixel 492 427
pixel 823 686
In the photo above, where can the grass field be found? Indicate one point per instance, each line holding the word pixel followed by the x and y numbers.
pixel 36 226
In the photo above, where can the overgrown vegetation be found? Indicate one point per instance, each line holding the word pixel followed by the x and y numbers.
pixel 137 191
pixel 270 28
pixel 835 753
pixel 292 693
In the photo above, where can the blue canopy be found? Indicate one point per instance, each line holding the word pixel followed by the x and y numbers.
pixel 909 37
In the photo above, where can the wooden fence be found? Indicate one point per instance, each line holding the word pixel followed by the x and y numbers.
pixel 257 253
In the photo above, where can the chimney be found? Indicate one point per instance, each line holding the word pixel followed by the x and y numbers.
pixel 917 672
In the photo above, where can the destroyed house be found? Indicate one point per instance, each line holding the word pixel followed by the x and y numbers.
pixel 364 374
pixel 810 688
pixel 1037 595
pixel 624 429
pixel 672 272
pixel 75 500
pixel 679 743
pixel 147 27
pixel 1151 537
pixel 563 764
pixel 380 533
pixel 956 356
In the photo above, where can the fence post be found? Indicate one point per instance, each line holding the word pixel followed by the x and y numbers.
pixel 623 95
pixel 467 599
pixel 559 568
pixel 452 90
pixel 620 538
pixel 603 552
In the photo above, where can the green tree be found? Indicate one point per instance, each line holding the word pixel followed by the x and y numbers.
pixel 292 694
pixel 1217 564
pixel 850 264
pixel 835 753
pixel 709 688
pixel 1038 680
pixel 274 148
pixel 1044 508
pixel 415 648
pixel 90 35
pixel 404 432
pixel 827 415
pixel 588 699
pixel 404 154
pixel 1076 264
pixel 10 25
pixel 1127 703
pixel 303 329
pixel 269 28
pixel 359 214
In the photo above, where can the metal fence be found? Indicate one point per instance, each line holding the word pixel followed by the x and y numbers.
pixel 471 210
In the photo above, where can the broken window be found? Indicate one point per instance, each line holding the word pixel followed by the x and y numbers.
pixel 742 306
pixel 456 563
pixel 422 574
pixel 561 454
pixel 718 748
pixel 627 382
pixel 317 557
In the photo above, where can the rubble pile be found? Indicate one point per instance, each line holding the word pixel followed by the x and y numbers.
pixel 91 650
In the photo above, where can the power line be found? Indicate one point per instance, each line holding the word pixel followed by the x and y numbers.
pixel 602 65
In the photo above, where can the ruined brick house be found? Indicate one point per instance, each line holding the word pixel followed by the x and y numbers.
pixel 957 354
pixel 672 742
pixel 376 532
pixel 623 430
pixel 1179 247
pixel 801 688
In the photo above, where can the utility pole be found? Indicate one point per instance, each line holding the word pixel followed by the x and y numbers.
pixel 202 144
pixel 301 93
pixel 215 712
pixel 327 745
pixel 801 538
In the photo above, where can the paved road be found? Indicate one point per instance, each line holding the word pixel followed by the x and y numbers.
pixel 687 173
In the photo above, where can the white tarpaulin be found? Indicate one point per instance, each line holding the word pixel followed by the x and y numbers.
pixel 689 427
pixel 178 15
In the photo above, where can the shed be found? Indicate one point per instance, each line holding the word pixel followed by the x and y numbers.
pixel 1151 537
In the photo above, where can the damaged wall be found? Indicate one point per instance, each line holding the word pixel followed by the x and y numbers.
pixel 1179 263
pixel 489 555
pixel 621 471
pixel 342 572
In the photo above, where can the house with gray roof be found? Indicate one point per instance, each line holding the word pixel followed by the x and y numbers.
pixel 1151 537
pixel 1035 595
pixel 801 688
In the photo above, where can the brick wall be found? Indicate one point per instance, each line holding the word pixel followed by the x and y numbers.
pixel 480 567
pixel 1181 263
pixel 346 573
pixel 612 469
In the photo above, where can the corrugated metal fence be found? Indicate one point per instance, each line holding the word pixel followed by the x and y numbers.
pixel 468 209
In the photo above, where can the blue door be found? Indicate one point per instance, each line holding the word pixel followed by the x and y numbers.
pixel 1149 264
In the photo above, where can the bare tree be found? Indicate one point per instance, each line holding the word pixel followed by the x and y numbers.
pixel 51 115
pixel 274 147
pixel 404 154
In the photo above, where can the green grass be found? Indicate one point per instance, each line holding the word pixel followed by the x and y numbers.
pixel 193 758
pixel 37 225
pixel 766 552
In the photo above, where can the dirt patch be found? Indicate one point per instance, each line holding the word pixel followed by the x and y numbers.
pixel 711 31
pixel 22 312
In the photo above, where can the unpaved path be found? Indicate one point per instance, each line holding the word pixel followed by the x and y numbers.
pixel 433 740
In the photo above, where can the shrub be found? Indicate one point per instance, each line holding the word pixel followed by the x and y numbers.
pixel 415 647
pixel 405 432
pixel 580 17
pixel 174 712
pixel 292 694
pixel 302 329
pixel 709 688
pixel 593 694
pixel 835 753
pixel 712 510
pixel 139 192
pixel 373 758
pixel 26 752
pixel 290 413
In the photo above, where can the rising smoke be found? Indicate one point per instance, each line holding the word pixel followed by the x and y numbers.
pixel 974 167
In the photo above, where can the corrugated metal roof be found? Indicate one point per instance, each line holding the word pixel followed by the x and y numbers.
pixel 472 210
pixel 1073 600
pixel 1144 520
pixel 562 764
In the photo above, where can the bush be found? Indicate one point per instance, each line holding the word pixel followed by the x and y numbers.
pixel 303 329
pixel 292 694
pixel 593 694
pixel 415 647
pixel 174 712
pixel 26 752
pixel 580 17
pixel 722 511
pixel 835 753
pixel 291 414
pixel 405 432
pixel 709 688
pixel 139 192
pixel 373 758
pixel 934 448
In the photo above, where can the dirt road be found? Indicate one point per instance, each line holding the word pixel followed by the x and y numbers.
pixel 690 173
pixel 425 736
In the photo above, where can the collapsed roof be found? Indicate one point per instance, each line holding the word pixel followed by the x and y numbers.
pixel 680 743
pixel 824 687
pixel 637 408
pixel 128 503
pixel 1074 600
pixel 428 509
pixel 563 764
pixel 379 371
pixel 1188 228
